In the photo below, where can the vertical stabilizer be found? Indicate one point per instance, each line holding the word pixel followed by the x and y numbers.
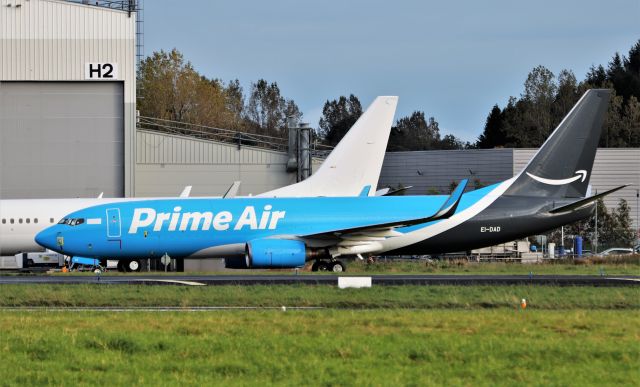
pixel 562 166
pixel 355 162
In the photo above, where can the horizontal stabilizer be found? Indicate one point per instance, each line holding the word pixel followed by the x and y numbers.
pixel 585 201
pixel 392 191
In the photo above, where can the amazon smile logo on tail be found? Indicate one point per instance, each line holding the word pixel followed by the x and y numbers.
pixel 580 175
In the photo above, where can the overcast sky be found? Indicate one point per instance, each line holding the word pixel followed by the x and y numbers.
pixel 451 59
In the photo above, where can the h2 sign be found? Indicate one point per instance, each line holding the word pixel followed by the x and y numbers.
pixel 101 71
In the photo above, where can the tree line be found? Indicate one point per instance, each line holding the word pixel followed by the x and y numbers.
pixel 527 121
pixel 614 228
pixel 170 88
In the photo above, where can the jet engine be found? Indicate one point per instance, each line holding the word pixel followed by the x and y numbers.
pixel 275 253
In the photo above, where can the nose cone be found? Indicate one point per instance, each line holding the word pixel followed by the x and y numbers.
pixel 48 238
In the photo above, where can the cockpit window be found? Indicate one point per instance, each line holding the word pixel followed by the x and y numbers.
pixel 77 221
pixel 71 221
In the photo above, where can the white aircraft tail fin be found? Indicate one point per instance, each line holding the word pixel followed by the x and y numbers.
pixel 355 162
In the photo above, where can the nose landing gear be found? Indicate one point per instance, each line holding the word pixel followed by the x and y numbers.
pixel 129 266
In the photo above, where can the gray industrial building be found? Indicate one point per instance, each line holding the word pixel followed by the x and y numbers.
pixel 434 171
pixel 67 99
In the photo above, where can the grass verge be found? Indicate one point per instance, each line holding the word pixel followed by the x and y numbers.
pixel 332 347
pixel 421 297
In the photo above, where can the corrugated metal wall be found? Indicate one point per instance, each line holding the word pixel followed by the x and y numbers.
pixel 47 40
pixel 166 163
pixel 430 171
pixel 612 167
pixel 61 139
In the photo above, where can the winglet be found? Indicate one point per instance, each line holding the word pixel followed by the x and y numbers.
pixel 186 192
pixel 586 201
pixel 232 191
pixel 100 196
pixel 451 204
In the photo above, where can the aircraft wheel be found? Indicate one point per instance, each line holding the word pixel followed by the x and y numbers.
pixel 121 266
pixel 132 265
pixel 322 266
pixel 337 267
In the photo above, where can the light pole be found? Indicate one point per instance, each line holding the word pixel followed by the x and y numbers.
pixel 595 247
pixel 637 217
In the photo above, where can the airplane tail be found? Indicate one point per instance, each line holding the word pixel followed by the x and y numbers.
pixel 355 162
pixel 562 166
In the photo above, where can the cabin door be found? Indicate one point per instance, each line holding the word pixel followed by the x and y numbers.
pixel 114 227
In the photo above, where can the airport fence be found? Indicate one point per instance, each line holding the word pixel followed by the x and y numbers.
pixel 239 138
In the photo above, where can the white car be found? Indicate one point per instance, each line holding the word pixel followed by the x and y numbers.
pixel 617 251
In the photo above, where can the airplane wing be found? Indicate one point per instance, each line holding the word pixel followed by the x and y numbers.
pixel 585 201
pixel 392 191
pixel 445 211
pixel 363 239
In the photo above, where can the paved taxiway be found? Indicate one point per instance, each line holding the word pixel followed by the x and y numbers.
pixel 326 279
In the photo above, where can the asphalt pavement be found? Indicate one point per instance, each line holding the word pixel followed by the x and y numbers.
pixel 325 279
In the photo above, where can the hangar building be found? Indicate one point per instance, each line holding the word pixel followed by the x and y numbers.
pixel 67 99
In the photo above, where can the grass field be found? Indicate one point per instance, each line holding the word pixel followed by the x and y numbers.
pixel 423 297
pixel 396 335
pixel 332 347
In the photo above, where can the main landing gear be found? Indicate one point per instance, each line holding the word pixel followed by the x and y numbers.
pixel 334 266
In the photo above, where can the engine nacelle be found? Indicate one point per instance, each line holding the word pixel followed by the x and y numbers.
pixel 275 253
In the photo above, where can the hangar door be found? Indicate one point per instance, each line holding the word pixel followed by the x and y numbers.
pixel 61 139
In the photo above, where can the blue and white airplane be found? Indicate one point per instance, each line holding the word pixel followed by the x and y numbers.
pixel 287 232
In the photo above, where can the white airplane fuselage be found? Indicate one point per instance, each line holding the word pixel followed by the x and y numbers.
pixel 22 219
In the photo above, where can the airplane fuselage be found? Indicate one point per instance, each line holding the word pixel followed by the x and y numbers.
pixel 205 228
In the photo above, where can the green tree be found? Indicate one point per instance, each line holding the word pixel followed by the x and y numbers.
pixel 171 89
pixel 566 96
pixel 338 116
pixel 539 93
pixel 414 133
pixel 631 122
pixel 493 135
pixel 267 109
pixel 622 233
pixel 234 102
